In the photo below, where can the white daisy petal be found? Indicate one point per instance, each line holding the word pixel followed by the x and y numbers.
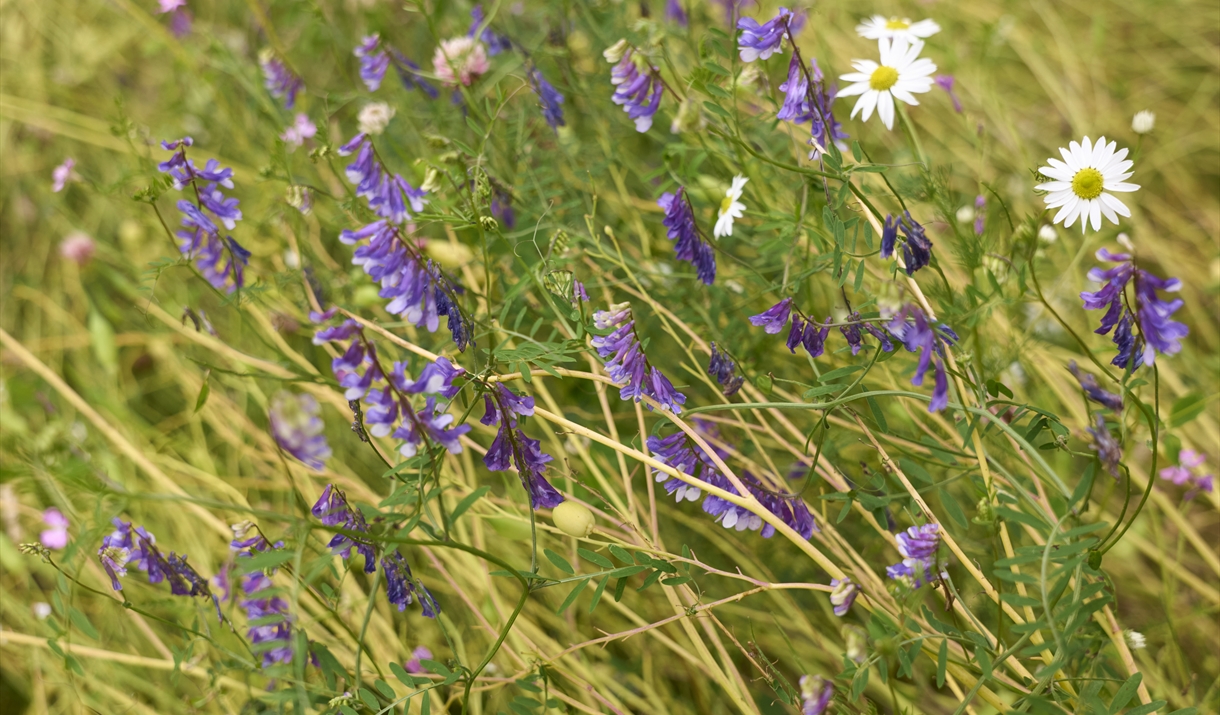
pixel 867 103
pixel 1119 186
pixel 1067 209
pixel 855 76
pixel 885 109
pixel 852 90
pixel 1054 186
pixel 1069 159
pixel 1107 211
pixel 1118 206
pixel 904 95
pixel 1095 214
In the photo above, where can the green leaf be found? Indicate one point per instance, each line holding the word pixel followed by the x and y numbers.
pixel 580 586
pixel 1125 692
pixel 1147 709
pixel 595 558
pixel 1086 483
pixel 650 580
pixel 859 683
pixel 467 502
pixel 597 593
pixel 560 562
pixel 403 676
pixel 716 109
pixel 82 622
pixel 204 390
pixel 384 688
pixel 819 391
pixel 942 662
pixel 1187 408
pixel 369 699
pixel 425 705
pixel 839 373
pixel 676 580
pixel 875 407
pixel 626 571
pixel 915 470
pixel 621 554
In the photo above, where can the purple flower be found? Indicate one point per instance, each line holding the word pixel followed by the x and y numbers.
pixel 179 20
pixel 761 41
pixel 549 96
pixel 722 367
pixel 945 82
pixel 918 546
pixel 675 13
pixel 626 363
pixel 297 428
pixel 796 91
pixel 1093 390
pixel 774 318
pixel 502 206
pixel 816 694
pixel 496 43
pixel 637 89
pixel 272 636
pixel 1108 449
pixel 436 379
pixel 843 595
pixel 916 248
pixel 408 73
pixel 1187 471
pixel 1158 332
pixel 221 260
pixel 980 203
pixel 278 79
pixel 374 61
pixel 56 536
pixel 911 326
pixel 414 666
pixel 689 246
pixel 824 128
pixel 62 174
pixel 302 128
pixel 813 337
pixel 512 447
pixel 333 509
pixel 126 546
pixel 402 587
pixel 578 292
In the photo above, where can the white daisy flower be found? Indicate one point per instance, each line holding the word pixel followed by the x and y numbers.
pixel 731 208
pixel 879 27
pixel 1080 185
pixel 1143 122
pixel 901 74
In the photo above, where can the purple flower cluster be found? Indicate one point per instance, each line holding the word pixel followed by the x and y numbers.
pixel 816 694
pixel 675 13
pixel 918 546
pixel 297 428
pixel 1188 471
pixel 807 332
pixel 415 287
pixel 270 629
pixel 626 363
pixel 916 247
pixel 333 509
pixel 681 453
pixel 222 261
pixel 689 244
pixel 280 81
pixel 1158 332
pixel 1108 449
pixel 722 367
pixel 637 89
pixel 1093 390
pixel 512 447
pixel 758 42
pixel 389 412
pixel 912 327
pixel 824 129
pixel 980 214
pixel 843 595
pixel 127 546
pixel 375 59
pixel 549 96
pixel 496 43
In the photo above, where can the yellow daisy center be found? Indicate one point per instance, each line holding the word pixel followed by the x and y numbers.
pixel 1088 183
pixel 896 24
pixel 883 78
pixel 724 205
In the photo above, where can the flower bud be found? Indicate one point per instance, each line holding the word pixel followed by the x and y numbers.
pixel 615 52
pixel 1143 122
pixel 573 519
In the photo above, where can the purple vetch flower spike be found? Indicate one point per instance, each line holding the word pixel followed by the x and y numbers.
pixel 758 42
pixel 273 636
pixel 843 595
pixel 512 447
pixel 549 96
pixel 814 337
pixel 374 61
pixel 816 694
pixel 297 428
pixel 681 228
pixel 795 332
pixel 637 89
pixel 774 318
pixel 333 509
pixel 722 367
pixel 1158 332
pixel 496 43
pixel 1093 390
pixel 889 236
pixel 626 363
pixel 579 293
pixel 851 333
pixel 917 250
pixel 280 81
pixel 402 587
pixel 980 205
pixel 436 425
pixel 945 82
pixel 911 326
pixel 824 129
pixel 437 379
pixel 1108 449
pixel 675 13
pixel 918 546
pixel 796 91
pixel 127 546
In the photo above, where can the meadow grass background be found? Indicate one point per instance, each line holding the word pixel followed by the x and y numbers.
pixel 102 375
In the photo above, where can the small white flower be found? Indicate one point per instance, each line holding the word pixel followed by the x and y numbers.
pixel 1135 639
pixel 965 214
pixel 901 74
pixel 375 117
pixel 1143 122
pixel 42 610
pixel 879 27
pixel 731 208
pixel 1047 234
pixel 1080 184
pixel 292 259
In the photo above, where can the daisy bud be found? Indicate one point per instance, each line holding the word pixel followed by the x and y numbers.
pixel 965 214
pixel 1143 122
pixel 573 519
pixel 1135 639
pixel 1047 234
pixel 615 52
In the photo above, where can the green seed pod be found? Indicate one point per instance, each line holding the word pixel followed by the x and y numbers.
pixel 573 519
